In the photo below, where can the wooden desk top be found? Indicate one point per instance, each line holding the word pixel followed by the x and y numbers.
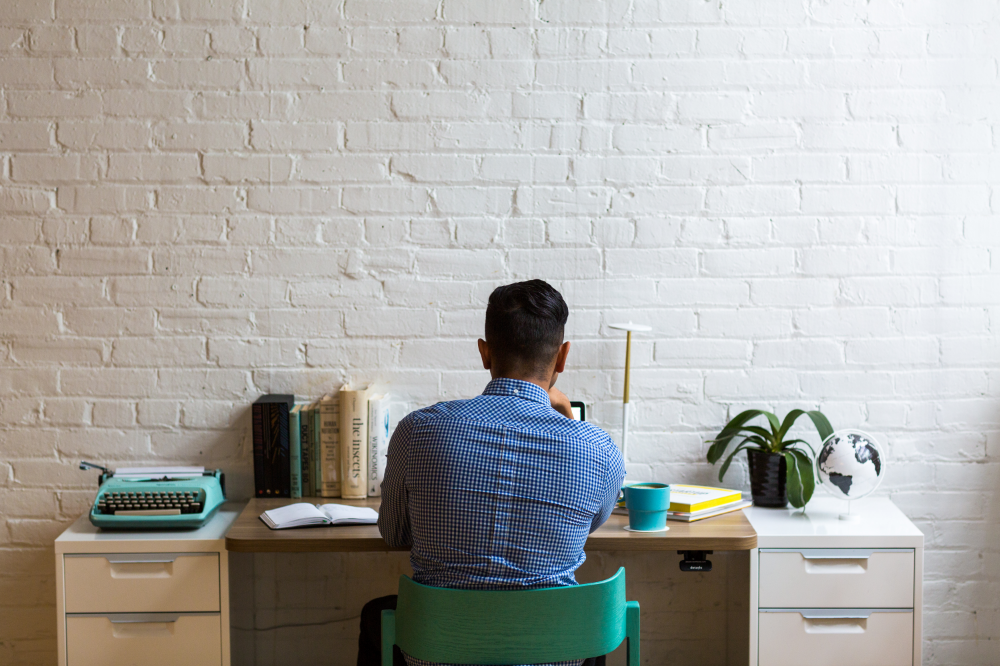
pixel 731 531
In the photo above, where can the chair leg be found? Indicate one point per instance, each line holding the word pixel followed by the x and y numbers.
pixel 631 632
pixel 389 636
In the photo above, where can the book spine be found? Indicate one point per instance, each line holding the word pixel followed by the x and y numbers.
pixel 314 445
pixel 277 460
pixel 329 409
pixel 372 471
pixel 285 450
pixel 378 443
pixel 353 444
pixel 295 451
pixel 257 413
pixel 267 410
pixel 305 454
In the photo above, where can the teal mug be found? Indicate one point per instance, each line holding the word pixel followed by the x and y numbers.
pixel 647 505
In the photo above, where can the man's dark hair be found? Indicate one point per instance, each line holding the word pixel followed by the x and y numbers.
pixel 524 326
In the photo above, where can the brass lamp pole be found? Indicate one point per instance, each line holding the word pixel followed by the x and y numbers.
pixel 629 328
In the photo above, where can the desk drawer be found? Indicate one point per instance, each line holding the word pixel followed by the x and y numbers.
pixel 149 639
pixel 142 583
pixel 836 578
pixel 834 638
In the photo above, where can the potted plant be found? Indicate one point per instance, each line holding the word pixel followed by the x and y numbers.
pixel 780 469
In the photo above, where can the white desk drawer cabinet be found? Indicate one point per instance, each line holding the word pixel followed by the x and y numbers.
pixel 144 598
pixel 825 638
pixel 142 582
pixel 830 592
pixel 144 639
pixel 836 578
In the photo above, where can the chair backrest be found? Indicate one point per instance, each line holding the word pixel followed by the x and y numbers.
pixel 510 627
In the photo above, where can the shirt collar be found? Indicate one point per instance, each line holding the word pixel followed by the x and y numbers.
pixel 518 389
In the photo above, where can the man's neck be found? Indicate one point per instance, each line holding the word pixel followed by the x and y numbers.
pixel 543 384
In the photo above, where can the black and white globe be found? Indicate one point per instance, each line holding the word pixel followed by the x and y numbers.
pixel 851 464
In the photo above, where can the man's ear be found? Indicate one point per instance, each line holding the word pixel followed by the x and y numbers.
pixel 561 357
pixel 484 352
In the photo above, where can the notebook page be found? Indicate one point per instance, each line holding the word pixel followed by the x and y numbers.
pixel 342 514
pixel 294 515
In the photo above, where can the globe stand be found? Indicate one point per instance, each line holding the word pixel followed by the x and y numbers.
pixel 850 517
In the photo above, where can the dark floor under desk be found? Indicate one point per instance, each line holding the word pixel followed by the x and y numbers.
pixel 295 608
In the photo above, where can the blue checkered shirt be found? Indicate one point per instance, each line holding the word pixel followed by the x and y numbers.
pixel 498 492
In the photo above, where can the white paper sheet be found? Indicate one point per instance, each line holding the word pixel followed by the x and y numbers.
pixel 173 472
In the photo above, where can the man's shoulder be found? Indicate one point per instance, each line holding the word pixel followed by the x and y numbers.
pixel 527 416
pixel 601 441
pixel 444 409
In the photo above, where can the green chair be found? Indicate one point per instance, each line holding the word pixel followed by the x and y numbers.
pixel 511 627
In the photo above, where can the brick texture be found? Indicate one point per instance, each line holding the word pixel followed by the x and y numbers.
pixel 203 201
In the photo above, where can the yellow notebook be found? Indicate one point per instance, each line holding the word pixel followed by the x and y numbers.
pixel 688 499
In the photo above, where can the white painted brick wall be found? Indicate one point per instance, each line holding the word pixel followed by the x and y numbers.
pixel 202 201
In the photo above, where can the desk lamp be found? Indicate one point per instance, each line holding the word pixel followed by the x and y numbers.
pixel 629 327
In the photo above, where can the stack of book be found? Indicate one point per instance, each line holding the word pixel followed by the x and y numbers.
pixel 334 446
pixel 690 503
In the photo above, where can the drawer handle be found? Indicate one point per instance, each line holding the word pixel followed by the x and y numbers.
pixel 142 618
pixel 835 614
pixel 139 558
pixel 836 554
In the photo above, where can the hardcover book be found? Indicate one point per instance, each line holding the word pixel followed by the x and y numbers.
pixel 306 452
pixel 710 512
pixel 295 451
pixel 314 435
pixel 689 499
pixel 378 442
pixel 329 454
pixel 271 445
pixel 354 442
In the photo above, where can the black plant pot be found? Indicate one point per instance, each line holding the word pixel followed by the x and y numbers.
pixel 767 478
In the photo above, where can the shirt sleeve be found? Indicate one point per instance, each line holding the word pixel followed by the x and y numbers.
pixel 614 475
pixel 394 515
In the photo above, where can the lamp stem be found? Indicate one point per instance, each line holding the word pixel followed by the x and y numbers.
pixel 628 360
pixel 625 408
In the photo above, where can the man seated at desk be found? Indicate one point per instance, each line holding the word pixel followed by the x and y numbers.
pixel 498 492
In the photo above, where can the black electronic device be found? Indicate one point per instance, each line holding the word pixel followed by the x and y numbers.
pixel 695 560
pixel 579 410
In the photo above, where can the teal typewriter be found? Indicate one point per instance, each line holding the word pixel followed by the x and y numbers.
pixel 156 498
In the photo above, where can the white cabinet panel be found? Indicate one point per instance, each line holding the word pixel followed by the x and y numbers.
pixel 152 639
pixel 835 638
pixel 142 583
pixel 836 578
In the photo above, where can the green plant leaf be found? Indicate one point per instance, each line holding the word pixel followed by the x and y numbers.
pixel 793 443
pixel 730 431
pixel 789 421
pixel 793 483
pixel 759 444
pixel 729 459
pixel 822 424
pixel 789 443
pixel 775 423
pixel 807 474
pixel 759 431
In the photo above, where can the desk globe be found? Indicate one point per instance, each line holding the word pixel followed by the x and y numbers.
pixel 851 465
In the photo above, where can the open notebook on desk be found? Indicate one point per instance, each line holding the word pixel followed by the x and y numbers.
pixel 304 514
